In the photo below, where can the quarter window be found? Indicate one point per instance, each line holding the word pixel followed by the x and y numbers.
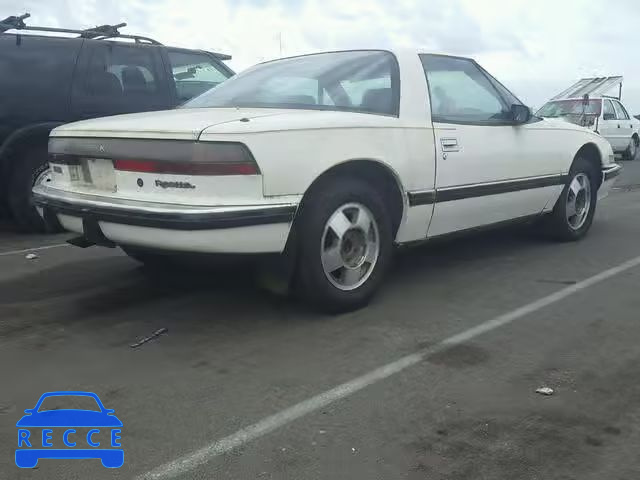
pixel 194 73
pixel 462 93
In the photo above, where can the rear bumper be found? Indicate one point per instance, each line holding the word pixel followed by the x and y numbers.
pixel 158 215
pixel 219 229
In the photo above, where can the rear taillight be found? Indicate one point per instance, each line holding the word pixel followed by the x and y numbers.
pixel 214 158
pixel 147 166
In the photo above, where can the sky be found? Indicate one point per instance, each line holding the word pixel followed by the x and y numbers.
pixel 537 48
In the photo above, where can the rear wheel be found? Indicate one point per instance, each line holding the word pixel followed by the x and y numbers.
pixel 345 245
pixel 573 214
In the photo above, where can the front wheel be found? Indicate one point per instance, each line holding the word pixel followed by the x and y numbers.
pixel 345 235
pixel 573 214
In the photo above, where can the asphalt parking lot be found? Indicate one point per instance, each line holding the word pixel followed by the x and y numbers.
pixel 434 380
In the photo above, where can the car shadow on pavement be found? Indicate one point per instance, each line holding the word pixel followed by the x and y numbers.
pixel 101 292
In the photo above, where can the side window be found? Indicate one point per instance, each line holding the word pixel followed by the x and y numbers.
pixel 461 93
pixel 122 71
pixel 194 73
pixel 298 90
pixel 608 113
pixel 622 112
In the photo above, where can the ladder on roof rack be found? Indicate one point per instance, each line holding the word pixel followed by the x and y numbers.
pixel 103 32
pixel 596 86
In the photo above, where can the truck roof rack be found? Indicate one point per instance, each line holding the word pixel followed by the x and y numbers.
pixel 594 87
pixel 103 32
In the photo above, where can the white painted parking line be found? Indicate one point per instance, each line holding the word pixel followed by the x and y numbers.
pixel 34 249
pixel 200 457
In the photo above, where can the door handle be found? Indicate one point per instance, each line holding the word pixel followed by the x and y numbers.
pixel 618 125
pixel 449 144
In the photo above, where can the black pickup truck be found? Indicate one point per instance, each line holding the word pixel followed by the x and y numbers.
pixel 49 80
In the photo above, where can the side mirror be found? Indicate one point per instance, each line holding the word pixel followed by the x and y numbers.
pixel 520 113
pixel 608 116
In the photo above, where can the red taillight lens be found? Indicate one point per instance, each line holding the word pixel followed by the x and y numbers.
pixel 206 158
pixel 147 166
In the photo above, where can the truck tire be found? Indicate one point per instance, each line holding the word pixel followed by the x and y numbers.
pixel 28 169
pixel 345 245
pixel 573 213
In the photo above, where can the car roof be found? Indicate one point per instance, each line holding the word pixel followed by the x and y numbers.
pixel 219 56
pixel 397 51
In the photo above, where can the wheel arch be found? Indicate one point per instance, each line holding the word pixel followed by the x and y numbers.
pixel 20 139
pixel 378 173
pixel 593 155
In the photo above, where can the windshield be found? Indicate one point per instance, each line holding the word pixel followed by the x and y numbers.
pixel 357 81
pixel 570 107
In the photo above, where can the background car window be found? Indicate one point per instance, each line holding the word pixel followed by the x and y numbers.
pixel 66 402
pixel 560 108
pixel 118 70
pixel 361 81
pixel 609 113
pixel 461 93
pixel 194 73
pixel 621 111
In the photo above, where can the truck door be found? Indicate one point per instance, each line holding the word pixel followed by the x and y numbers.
pixel 119 78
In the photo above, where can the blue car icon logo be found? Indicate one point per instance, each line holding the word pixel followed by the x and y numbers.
pixel 84 434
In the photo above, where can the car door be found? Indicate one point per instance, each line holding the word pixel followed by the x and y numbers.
pixel 625 124
pixel 119 78
pixel 489 169
pixel 610 126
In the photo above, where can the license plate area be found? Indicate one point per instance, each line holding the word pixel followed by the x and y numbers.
pixel 97 173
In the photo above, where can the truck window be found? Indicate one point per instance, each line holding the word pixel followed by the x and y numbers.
pixel 194 73
pixel 122 71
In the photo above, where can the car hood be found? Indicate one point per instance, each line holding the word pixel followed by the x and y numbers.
pixel 192 123
pixel 69 418
pixel 179 124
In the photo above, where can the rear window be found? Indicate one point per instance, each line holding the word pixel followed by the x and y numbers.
pixel 359 81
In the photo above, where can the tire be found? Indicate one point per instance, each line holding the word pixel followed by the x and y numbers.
pixel 29 168
pixel 632 150
pixel 583 178
pixel 340 290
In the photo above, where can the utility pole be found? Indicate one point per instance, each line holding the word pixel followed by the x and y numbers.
pixel 280 39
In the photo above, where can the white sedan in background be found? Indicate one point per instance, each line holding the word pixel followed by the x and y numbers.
pixel 605 115
pixel 329 160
